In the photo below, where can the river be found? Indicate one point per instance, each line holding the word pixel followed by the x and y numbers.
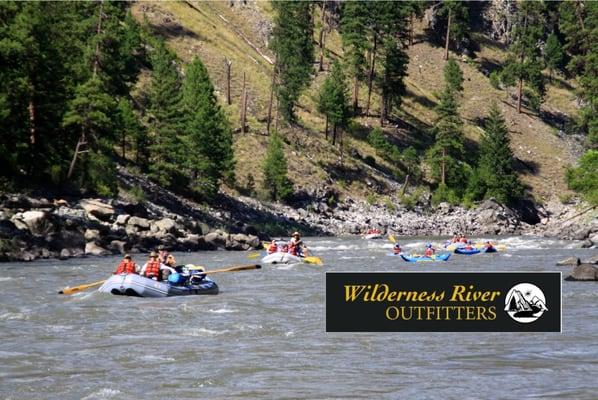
pixel 263 336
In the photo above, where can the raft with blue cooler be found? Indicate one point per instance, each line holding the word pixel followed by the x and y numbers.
pixel 468 252
pixel 178 284
pixel 434 257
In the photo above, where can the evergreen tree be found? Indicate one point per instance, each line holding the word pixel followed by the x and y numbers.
pixel 167 152
pixel 584 178
pixel 553 54
pixel 276 181
pixel 132 134
pixel 454 17
pixel 453 76
pixel 495 174
pixel 391 82
pixel 354 35
pixel 90 113
pixel 207 134
pixel 446 154
pixel 333 100
pixel 292 43
pixel 526 58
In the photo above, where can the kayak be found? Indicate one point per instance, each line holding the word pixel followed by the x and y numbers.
pixel 281 258
pixel 435 257
pixel 490 250
pixel 462 250
pixel 140 286
pixel 393 254
pixel 373 236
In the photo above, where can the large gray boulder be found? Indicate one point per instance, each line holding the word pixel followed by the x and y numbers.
pixel 97 209
pixel 568 261
pixel 92 248
pixel 122 219
pixel 583 272
pixel 139 223
pixel 36 222
pixel 216 239
pixel 165 225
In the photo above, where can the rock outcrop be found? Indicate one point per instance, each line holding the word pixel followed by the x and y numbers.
pixel 583 272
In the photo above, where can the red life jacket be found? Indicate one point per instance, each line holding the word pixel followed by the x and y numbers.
pixel 429 252
pixel 152 269
pixel 293 249
pixel 272 248
pixel 127 267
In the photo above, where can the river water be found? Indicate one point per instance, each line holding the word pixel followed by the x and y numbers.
pixel 263 336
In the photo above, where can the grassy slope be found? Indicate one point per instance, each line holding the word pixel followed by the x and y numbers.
pixel 311 158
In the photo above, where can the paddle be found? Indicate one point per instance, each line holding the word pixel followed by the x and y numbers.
pixel 392 238
pixel 253 255
pixel 230 269
pixel 76 289
pixel 313 260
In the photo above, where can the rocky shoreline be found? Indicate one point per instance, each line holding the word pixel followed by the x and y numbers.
pixel 35 227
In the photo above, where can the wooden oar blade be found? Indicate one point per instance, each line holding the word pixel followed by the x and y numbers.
pixel 234 269
pixel 80 288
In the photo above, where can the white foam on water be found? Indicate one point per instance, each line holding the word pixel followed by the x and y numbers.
pixel 284 266
pixel 200 332
pixel 105 393
pixel 6 278
pixel 248 327
pixel 289 334
pixel 222 311
pixel 153 357
pixel 13 316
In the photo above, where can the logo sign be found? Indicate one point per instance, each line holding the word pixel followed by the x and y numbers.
pixel 443 302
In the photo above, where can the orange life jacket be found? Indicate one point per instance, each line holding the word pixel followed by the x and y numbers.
pixel 127 267
pixel 293 249
pixel 152 269
pixel 273 248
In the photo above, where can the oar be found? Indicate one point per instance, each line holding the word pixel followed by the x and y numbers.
pixel 392 238
pixel 80 288
pixel 230 269
pixel 253 255
pixel 313 260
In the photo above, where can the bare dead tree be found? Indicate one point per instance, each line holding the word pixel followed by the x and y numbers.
pixel 243 105
pixel 228 64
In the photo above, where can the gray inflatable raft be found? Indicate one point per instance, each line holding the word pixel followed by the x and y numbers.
pixel 136 285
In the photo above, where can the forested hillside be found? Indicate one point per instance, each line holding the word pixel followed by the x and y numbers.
pixel 463 100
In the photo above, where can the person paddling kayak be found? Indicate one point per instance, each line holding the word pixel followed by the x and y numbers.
pixel 397 248
pixel 429 250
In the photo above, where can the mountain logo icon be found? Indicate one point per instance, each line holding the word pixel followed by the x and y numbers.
pixel 525 303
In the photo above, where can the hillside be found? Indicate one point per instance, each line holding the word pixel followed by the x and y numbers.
pixel 216 30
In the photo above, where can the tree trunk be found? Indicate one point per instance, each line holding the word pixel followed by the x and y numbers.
pixel 321 39
pixel 341 145
pixel 333 134
pixel 411 29
pixel 243 104
pixel 405 185
pixel 80 142
pixel 124 144
pixel 448 34
pixel 326 128
pixel 96 61
pixel 382 108
pixel 520 95
pixel 31 110
pixel 228 65
pixel 371 74
pixel 355 94
pixel 271 100
pixel 443 167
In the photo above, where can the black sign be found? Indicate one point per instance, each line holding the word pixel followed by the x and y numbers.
pixel 443 302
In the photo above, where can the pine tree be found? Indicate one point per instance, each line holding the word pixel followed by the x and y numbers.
pixel 167 152
pixel 447 152
pixel 457 22
pixel 453 76
pixel 354 35
pixel 132 134
pixel 526 60
pixel 495 169
pixel 275 170
pixel 553 54
pixel 90 113
pixel 333 100
pixel 207 134
pixel 293 46
pixel 391 83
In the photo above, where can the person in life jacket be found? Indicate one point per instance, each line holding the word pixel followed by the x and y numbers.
pixel 488 245
pixel 469 246
pixel 162 254
pixel 272 248
pixel 463 239
pixel 429 250
pixel 152 268
pixel 170 262
pixel 397 248
pixel 126 266
pixel 296 246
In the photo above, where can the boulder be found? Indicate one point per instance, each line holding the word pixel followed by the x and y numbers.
pixel 165 225
pixel 216 239
pixel 92 235
pixel 592 260
pixel 118 246
pixel 92 248
pixel 122 219
pixel 568 261
pixel 96 208
pixel 64 254
pixel 66 238
pixel 36 222
pixel 140 223
pixel 583 272
pixel 189 242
